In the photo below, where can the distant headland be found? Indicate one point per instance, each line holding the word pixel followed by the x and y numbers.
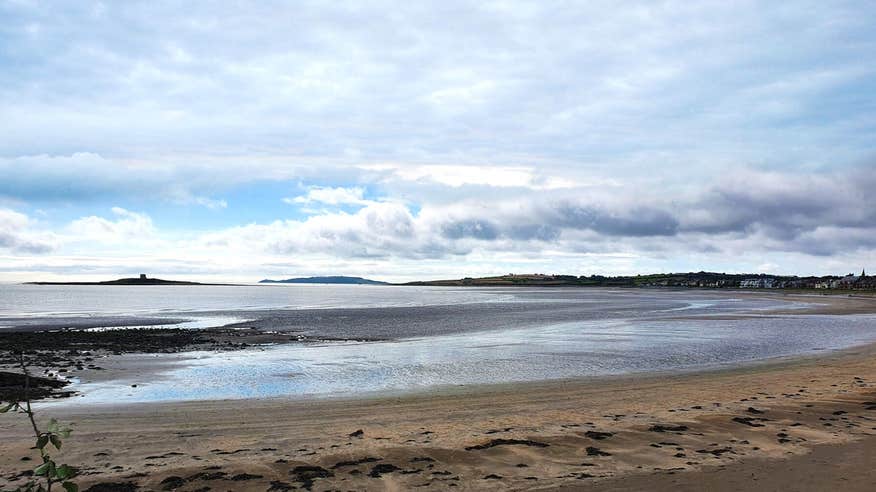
pixel 335 279
pixel 690 280
pixel 141 280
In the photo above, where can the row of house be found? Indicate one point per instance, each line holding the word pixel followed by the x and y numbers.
pixel 759 283
pixel 850 282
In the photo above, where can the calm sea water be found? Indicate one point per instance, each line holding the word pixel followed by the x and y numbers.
pixel 572 350
pixel 432 337
pixel 18 300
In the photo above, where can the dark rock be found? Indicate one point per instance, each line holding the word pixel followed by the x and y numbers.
pixel 716 452
pixel 113 487
pixel 369 459
pixel 306 474
pixel 754 411
pixel 668 428
pixel 211 475
pixel 172 483
pixel 277 486
pixel 493 476
pixel 381 469
pixel 507 442
pixel 359 433
pixel 592 451
pixel 496 431
pixel 747 421
pixel 242 477
pixel 598 435
pixel 12 387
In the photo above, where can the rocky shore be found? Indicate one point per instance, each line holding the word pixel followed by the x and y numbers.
pixel 56 355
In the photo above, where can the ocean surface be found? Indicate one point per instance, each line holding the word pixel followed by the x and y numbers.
pixel 422 338
pixel 18 300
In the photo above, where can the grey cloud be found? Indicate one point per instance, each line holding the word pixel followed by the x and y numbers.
pixel 818 214
pixel 633 220
pixel 15 243
pixel 16 235
pixel 540 232
pixel 786 206
pixel 475 229
pixel 593 84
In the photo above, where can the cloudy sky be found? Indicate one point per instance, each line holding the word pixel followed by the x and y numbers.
pixel 222 140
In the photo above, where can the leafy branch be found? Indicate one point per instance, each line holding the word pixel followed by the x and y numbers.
pixel 49 472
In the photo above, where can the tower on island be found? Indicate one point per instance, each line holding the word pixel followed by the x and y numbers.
pixel 142 276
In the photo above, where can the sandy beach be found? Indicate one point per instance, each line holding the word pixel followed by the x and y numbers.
pixel 437 245
pixel 767 426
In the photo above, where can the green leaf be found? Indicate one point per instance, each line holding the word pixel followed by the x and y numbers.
pixel 7 408
pixel 42 441
pixel 42 469
pixel 65 432
pixel 70 487
pixel 53 425
pixel 56 441
pixel 64 472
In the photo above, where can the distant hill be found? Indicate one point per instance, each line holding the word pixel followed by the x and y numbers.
pixel 690 279
pixel 337 279
pixel 141 280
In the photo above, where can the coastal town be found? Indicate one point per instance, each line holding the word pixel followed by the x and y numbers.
pixel 709 280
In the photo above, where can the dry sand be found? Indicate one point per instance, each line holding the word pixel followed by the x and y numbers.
pixel 800 424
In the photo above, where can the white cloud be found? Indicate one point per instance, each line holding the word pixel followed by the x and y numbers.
pixel 459 175
pixel 128 228
pixel 330 196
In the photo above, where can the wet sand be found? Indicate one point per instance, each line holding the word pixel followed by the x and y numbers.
pixel 796 424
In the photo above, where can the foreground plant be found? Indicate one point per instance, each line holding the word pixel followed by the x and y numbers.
pixel 48 472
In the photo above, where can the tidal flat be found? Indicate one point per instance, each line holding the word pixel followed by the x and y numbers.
pixel 518 389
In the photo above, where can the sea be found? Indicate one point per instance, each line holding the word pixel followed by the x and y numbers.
pixel 367 340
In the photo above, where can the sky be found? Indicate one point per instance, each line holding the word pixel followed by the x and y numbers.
pixel 420 140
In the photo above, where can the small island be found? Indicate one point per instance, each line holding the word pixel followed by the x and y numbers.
pixel 141 280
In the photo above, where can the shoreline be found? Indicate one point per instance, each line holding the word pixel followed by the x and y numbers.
pixel 141 362
pixel 659 431
pixel 124 354
pixel 727 369
pixel 795 406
